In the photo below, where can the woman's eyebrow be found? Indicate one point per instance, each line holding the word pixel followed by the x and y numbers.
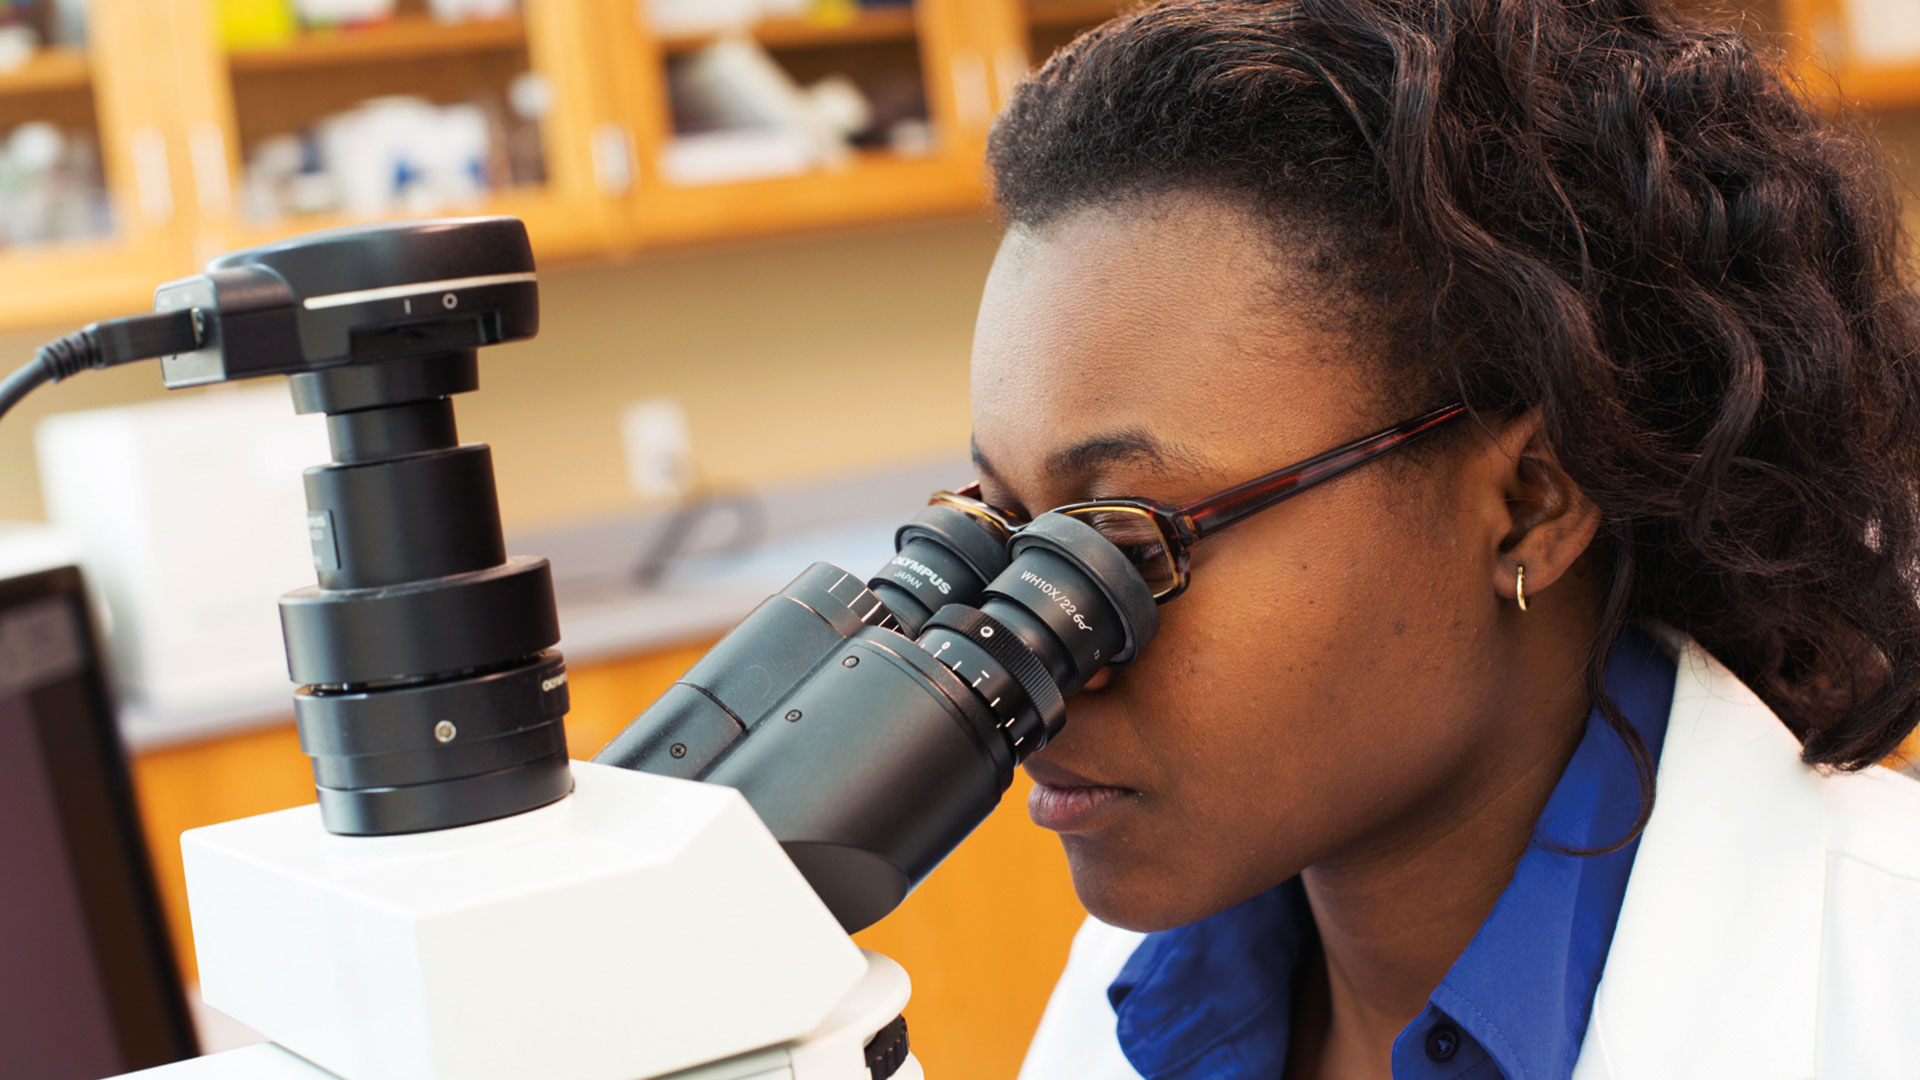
pixel 1128 447
pixel 980 463
pixel 1112 448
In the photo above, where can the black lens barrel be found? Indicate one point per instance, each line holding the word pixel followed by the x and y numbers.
pixel 870 772
pixel 1066 606
pixel 430 695
pixel 773 649
pixel 379 434
pixel 945 556
pixel 1090 576
pixel 990 657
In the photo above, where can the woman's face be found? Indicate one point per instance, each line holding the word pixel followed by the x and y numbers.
pixel 1329 684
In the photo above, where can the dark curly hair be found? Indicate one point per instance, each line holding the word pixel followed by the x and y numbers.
pixel 1605 211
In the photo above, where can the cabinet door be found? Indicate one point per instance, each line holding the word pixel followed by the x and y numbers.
pixel 1867 51
pixel 1049 24
pixel 423 108
pixel 1015 36
pixel 89 220
pixel 850 114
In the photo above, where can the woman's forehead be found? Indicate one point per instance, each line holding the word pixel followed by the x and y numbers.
pixel 1160 322
pixel 1150 284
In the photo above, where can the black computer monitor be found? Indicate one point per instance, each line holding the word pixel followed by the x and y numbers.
pixel 89 986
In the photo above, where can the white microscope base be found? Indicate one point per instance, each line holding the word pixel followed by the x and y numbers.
pixel 835 1052
pixel 638 928
pixel 268 1062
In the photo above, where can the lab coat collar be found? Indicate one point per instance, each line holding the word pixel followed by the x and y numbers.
pixel 1715 964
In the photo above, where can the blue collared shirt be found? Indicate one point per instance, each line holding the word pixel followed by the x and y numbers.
pixel 1213 1000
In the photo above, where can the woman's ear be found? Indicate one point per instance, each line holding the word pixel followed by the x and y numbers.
pixel 1549 521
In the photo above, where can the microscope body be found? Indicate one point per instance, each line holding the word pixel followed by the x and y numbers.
pixel 642 927
pixel 463 902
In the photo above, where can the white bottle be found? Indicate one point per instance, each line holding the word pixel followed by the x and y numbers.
pixel 464 10
pixel 339 12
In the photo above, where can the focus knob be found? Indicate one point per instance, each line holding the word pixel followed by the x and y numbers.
pixel 887 1051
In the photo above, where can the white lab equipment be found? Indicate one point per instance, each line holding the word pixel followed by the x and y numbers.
pixel 190 521
pixel 641 927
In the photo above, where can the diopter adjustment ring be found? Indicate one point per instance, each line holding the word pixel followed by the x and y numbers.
pixel 1082 545
pixel 999 641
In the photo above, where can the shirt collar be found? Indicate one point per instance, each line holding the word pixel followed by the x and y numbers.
pixel 1214 999
pixel 1524 986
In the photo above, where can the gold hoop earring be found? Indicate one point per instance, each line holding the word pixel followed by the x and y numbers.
pixel 1520 585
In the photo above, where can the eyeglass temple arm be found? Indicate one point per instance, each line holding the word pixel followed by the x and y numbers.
pixel 1216 512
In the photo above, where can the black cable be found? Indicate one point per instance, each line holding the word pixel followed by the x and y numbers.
pixel 103 345
pixel 20 384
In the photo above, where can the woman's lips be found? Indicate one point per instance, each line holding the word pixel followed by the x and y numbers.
pixel 1065 801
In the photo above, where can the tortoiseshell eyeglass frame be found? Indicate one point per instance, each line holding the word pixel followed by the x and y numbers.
pixel 1181 527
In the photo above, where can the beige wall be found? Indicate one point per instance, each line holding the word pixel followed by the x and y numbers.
pixel 794 358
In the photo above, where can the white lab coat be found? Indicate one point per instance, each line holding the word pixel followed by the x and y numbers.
pixel 1770 929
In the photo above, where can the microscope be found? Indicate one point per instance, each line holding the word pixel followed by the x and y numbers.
pixel 463 901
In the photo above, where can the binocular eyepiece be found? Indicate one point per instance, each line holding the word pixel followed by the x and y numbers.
pixel 873 725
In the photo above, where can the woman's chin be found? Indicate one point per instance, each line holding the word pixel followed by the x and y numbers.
pixel 1134 897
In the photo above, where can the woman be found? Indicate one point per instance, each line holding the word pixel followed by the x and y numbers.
pixel 1546 743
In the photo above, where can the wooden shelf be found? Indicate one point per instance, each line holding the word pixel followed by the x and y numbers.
pixel 1882 87
pixel 401 39
pixel 557 231
pixel 1054 14
pixel 873 187
pixel 56 285
pixel 873 26
pixel 59 68
pixel 1820 37
pixel 607 102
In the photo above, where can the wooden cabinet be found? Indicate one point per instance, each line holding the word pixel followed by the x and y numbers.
pixel 186 128
pixel 1843 51
pixel 924 53
pixel 237 108
pixel 191 130
pixel 1049 24
pixel 101 101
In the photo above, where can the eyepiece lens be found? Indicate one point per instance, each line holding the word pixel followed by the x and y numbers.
pixel 946 555
pixel 1138 536
pixel 1081 631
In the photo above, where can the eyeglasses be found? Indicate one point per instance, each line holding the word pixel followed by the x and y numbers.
pixel 1158 539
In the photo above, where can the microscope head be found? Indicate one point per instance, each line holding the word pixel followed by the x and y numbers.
pixel 430 693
